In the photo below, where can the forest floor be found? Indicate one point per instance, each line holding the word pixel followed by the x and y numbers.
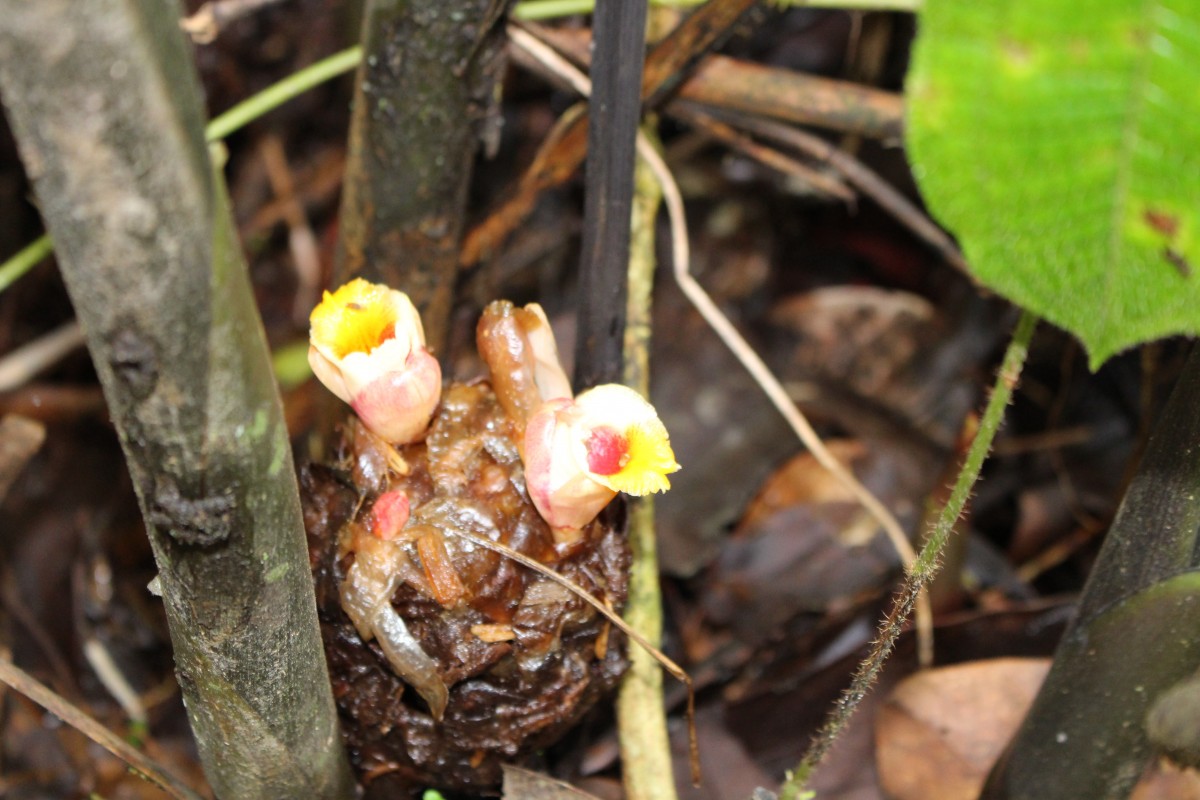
pixel 774 580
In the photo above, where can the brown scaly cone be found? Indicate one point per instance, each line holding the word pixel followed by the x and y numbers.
pixel 507 697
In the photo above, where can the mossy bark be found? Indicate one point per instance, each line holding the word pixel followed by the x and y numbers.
pixel 641 716
pixel 106 109
pixel 425 96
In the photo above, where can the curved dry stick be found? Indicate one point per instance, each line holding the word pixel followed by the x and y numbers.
pixel 728 334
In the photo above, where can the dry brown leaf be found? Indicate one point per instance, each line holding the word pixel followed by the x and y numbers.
pixel 524 784
pixel 20 438
pixel 803 480
pixel 940 731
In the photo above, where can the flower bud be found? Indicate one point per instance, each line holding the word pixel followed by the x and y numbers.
pixel 518 346
pixel 579 453
pixel 389 515
pixel 368 348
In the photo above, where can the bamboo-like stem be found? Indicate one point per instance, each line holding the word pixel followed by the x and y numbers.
pixel 1120 689
pixel 641 717
pixel 926 565
pixel 106 110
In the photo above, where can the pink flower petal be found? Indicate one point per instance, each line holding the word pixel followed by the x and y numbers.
pixel 397 406
pixel 563 493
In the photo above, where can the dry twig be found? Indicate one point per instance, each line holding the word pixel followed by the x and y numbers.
pixel 205 25
pixel 29 686
pixel 19 366
pixel 302 241
pixel 856 174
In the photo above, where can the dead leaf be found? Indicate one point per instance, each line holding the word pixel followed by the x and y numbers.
pixel 20 438
pixel 805 545
pixel 940 731
pixel 803 480
pixel 524 784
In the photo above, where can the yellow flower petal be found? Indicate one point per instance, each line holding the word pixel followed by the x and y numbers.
pixel 368 348
pixel 650 460
pixel 357 318
pixel 626 446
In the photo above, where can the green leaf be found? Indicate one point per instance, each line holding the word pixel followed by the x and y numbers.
pixel 1060 142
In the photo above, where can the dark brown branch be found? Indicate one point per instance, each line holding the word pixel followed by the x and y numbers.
pixel 734 85
pixel 616 112
pixel 561 155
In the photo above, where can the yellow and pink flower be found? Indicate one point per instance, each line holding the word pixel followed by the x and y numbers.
pixel 579 453
pixel 368 347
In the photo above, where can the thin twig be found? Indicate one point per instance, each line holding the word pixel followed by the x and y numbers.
pixel 926 565
pixel 551 9
pixel 774 159
pixel 775 392
pixel 670 666
pixel 110 675
pixel 859 176
pixel 29 686
pixel 204 26
pixel 301 240
pixel 28 360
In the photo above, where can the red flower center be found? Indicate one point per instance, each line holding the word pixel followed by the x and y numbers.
pixel 608 451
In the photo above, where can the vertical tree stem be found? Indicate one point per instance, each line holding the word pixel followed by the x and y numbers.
pixel 425 90
pixel 106 110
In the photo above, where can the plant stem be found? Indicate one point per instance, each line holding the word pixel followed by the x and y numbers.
pixel 616 109
pixel 926 564
pixel 277 94
pixel 26 259
pixel 149 253
pixel 641 717
pixel 218 128
pixel 420 109
pixel 534 10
